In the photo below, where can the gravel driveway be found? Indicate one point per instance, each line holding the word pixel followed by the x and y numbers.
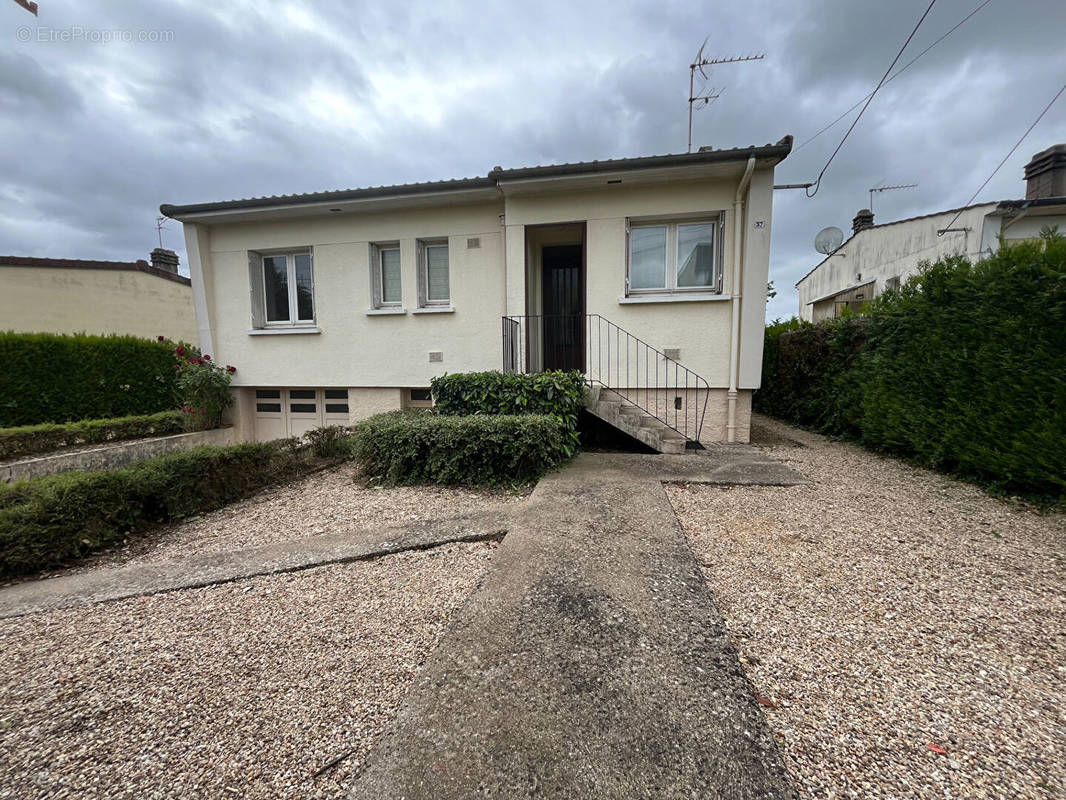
pixel 330 501
pixel 241 690
pixel 883 609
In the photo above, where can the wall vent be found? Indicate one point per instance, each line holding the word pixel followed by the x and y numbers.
pixel 436 356
pixel 473 244
pixel 672 352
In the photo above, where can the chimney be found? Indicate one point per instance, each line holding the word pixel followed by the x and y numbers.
pixel 165 260
pixel 1045 174
pixel 863 220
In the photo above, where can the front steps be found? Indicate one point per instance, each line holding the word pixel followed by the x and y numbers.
pixel 634 421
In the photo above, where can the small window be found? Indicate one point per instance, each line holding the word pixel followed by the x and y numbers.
pixel 679 256
pixel 892 284
pixel 303 408
pixel 433 274
pixel 419 398
pixel 268 394
pixel 287 289
pixel 268 407
pixel 385 275
pixel 336 394
pixel 301 394
pixel 336 408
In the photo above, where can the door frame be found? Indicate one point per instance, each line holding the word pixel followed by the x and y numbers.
pixel 583 283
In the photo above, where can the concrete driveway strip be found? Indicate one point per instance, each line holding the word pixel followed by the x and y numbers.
pixel 591 663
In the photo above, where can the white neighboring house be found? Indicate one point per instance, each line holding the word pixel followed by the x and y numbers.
pixel 880 257
pixel 647 274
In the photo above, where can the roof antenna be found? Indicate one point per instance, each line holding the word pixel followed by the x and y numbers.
pixel 888 189
pixel 160 223
pixel 697 102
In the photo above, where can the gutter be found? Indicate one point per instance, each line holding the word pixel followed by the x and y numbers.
pixel 734 334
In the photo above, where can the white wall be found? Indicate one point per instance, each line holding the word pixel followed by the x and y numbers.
pixel 892 250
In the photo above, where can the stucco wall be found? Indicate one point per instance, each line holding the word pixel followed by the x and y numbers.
pixel 892 250
pixel 97 301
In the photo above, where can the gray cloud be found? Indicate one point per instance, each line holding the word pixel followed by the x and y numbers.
pixel 251 98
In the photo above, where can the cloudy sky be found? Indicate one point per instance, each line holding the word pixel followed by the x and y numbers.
pixel 108 109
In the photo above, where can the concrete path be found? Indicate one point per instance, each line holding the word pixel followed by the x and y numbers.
pixel 593 661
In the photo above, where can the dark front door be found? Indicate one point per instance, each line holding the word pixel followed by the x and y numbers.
pixel 564 307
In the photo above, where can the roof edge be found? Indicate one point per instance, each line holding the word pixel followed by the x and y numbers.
pixel 77 263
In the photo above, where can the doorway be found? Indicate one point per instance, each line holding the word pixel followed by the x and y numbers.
pixel 564 307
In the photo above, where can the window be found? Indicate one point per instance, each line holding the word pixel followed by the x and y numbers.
pixel 892 284
pixel 419 398
pixel 385 275
pixel 434 280
pixel 669 257
pixel 287 290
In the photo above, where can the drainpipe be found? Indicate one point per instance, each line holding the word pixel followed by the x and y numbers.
pixel 734 334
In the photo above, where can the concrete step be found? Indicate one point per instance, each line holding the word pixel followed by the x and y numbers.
pixel 635 421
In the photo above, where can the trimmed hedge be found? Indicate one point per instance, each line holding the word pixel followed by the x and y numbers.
pixel 50 521
pixel 963 370
pixel 51 377
pixel 31 440
pixel 424 447
pixel 554 393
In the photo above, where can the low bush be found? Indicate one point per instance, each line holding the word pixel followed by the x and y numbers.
pixel 31 440
pixel 555 393
pixel 203 388
pixel 330 441
pixel 961 370
pixel 482 449
pixel 50 377
pixel 50 521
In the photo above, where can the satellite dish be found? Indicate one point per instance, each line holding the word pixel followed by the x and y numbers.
pixel 828 240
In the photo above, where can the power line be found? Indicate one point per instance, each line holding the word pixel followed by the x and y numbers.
pixel 1017 144
pixel 894 75
pixel 880 83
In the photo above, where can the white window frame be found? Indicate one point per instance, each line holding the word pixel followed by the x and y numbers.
pixel 672 225
pixel 377 274
pixel 290 272
pixel 423 273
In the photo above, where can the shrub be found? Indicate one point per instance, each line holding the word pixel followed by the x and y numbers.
pixel 330 441
pixel 49 521
pixel 34 439
pixel 556 394
pixel 50 377
pixel 203 387
pixel 962 369
pixel 483 449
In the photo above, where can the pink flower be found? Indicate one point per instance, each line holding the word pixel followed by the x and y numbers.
pixel 177 366
pixel 161 338
pixel 207 357
pixel 179 350
pixel 231 370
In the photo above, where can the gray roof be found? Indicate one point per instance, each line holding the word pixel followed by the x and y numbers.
pixel 772 152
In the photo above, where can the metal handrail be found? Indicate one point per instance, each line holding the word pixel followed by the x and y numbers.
pixel 612 358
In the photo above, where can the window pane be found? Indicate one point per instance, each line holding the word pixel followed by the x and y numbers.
pixel 305 304
pixel 303 408
pixel 437 288
pixel 301 394
pixel 647 257
pixel 390 276
pixel 277 288
pixel 695 255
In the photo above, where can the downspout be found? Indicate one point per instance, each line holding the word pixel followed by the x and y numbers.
pixel 734 334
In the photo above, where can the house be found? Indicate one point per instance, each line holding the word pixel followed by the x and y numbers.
pixel 647 274
pixel 58 295
pixel 880 257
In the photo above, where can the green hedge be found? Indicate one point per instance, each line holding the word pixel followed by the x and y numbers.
pixel 50 377
pixel 425 447
pixel 963 369
pixel 50 521
pixel 31 440
pixel 554 393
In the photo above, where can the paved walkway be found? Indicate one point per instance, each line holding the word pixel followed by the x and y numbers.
pixel 593 661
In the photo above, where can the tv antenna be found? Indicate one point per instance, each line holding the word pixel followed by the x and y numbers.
pixel 880 189
pixel 697 102
pixel 160 223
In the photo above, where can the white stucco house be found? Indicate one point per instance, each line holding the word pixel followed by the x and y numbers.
pixel 647 274
pixel 880 257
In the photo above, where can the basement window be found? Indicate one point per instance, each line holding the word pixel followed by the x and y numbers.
pixel 674 256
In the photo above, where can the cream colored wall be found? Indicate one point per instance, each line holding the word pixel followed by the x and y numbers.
pixel 98 301
pixel 353 348
pixel 700 329
pixel 893 251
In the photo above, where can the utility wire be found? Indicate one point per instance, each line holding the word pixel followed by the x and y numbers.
pixel 880 83
pixel 894 75
pixel 1017 144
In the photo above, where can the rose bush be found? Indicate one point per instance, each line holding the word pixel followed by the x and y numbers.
pixel 203 389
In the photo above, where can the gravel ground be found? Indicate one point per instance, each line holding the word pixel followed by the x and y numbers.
pixel 330 501
pixel 241 690
pixel 884 608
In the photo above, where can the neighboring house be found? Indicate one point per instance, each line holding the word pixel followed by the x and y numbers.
pixel 58 295
pixel 880 257
pixel 647 274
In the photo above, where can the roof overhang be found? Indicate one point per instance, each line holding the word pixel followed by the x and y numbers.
pixel 839 292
